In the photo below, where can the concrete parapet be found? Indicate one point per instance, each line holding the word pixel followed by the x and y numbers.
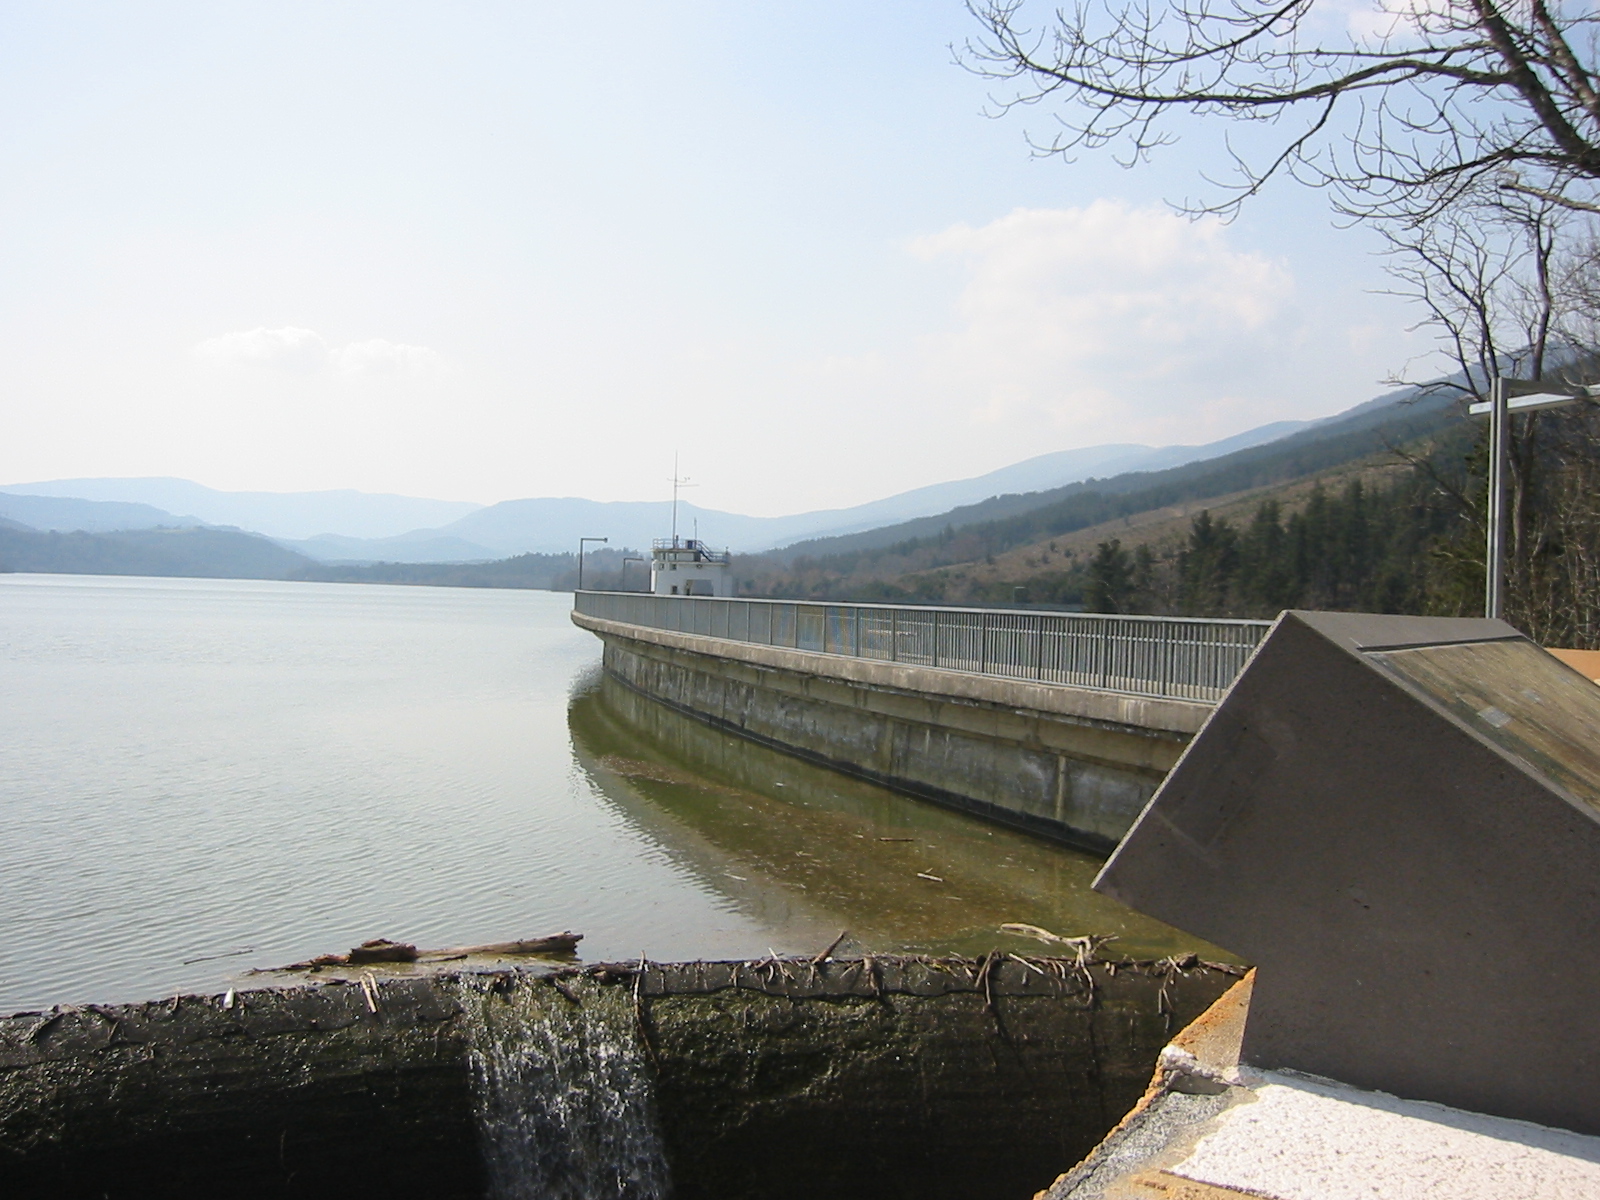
pixel 1069 763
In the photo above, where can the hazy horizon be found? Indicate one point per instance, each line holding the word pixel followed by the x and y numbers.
pixel 437 253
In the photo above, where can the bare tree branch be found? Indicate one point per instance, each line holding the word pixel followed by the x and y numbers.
pixel 1396 126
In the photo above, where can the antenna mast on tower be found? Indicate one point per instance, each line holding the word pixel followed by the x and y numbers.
pixel 677 483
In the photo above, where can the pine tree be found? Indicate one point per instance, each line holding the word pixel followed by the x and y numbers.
pixel 1206 566
pixel 1109 588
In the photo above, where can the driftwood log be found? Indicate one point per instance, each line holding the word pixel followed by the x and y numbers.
pixel 382 950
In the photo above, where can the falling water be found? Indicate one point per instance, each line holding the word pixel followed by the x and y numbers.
pixel 565 1105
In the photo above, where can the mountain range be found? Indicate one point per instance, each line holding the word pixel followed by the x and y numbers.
pixel 358 527
pixel 285 515
pixel 70 534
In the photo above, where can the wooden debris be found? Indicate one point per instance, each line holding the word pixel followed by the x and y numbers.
pixel 382 950
pixel 832 946
pixel 1032 931
pixel 556 943
pixel 1086 947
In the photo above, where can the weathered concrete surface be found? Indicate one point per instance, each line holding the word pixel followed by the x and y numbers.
pixel 1426 789
pixel 878 1078
pixel 901 1080
pixel 1068 763
pixel 1211 1129
pixel 279 1095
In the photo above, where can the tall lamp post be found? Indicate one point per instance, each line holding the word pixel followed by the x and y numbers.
pixel 626 559
pixel 1507 396
pixel 581 541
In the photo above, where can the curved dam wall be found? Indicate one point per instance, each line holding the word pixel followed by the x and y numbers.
pixel 782 1078
pixel 1069 763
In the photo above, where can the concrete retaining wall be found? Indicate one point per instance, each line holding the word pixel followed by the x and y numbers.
pixel 886 1078
pixel 1068 763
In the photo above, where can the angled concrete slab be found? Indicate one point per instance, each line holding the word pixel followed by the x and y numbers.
pixel 1398 820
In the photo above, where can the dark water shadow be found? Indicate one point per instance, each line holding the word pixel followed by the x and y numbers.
pixel 808 852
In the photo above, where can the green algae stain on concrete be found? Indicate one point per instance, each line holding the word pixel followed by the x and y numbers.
pixel 811 852
pixel 871 1078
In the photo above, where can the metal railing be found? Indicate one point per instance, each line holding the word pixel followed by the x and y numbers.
pixel 701 551
pixel 1181 658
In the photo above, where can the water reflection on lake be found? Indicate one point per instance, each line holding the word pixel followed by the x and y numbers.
pixel 811 852
pixel 203 775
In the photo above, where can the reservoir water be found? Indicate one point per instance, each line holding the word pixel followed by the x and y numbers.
pixel 202 776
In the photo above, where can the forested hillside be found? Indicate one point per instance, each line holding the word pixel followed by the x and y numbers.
pixel 556 572
pixel 917 566
pixel 1395 528
pixel 213 553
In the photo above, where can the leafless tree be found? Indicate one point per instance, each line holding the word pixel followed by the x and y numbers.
pixel 1509 284
pixel 1434 100
pixel 1466 131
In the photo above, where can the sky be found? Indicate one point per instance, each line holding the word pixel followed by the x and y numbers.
pixel 482 250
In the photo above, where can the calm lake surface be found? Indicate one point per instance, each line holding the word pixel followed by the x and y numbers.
pixel 201 776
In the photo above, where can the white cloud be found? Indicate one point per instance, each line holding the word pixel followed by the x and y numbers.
pixel 379 357
pixel 290 349
pixel 1389 24
pixel 305 352
pixel 1103 314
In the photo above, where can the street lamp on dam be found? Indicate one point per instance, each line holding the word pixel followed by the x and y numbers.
pixel 1508 396
pixel 581 542
pixel 622 586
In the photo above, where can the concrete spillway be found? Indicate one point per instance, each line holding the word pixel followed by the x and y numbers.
pixel 883 1077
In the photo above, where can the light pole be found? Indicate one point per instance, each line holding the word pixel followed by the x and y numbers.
pixel 581 541
pixel 1507 396
pixel 626 559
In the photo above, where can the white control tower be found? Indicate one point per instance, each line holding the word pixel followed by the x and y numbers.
pixel 688 567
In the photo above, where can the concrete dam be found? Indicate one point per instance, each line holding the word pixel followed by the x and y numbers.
pixel 1060 724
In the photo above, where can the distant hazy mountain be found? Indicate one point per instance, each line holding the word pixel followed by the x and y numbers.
pixel 356 527
pixel 1013 505
pixel 419 546
pixel 553 526
pixel 1318 445
pixel 276 514
pixel 92 516
pixel 1039 474
pixel 206 553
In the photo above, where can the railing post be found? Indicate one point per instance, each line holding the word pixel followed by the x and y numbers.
pixel 894 635
pixel 1167 666
pixel 983 643
pixel 1038 648
pixel 934 657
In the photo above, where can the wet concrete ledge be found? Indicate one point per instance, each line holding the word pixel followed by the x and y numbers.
pixel 881 1077
pixel 1068 763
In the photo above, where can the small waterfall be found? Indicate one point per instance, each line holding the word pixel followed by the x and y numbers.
pixel 565 1104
